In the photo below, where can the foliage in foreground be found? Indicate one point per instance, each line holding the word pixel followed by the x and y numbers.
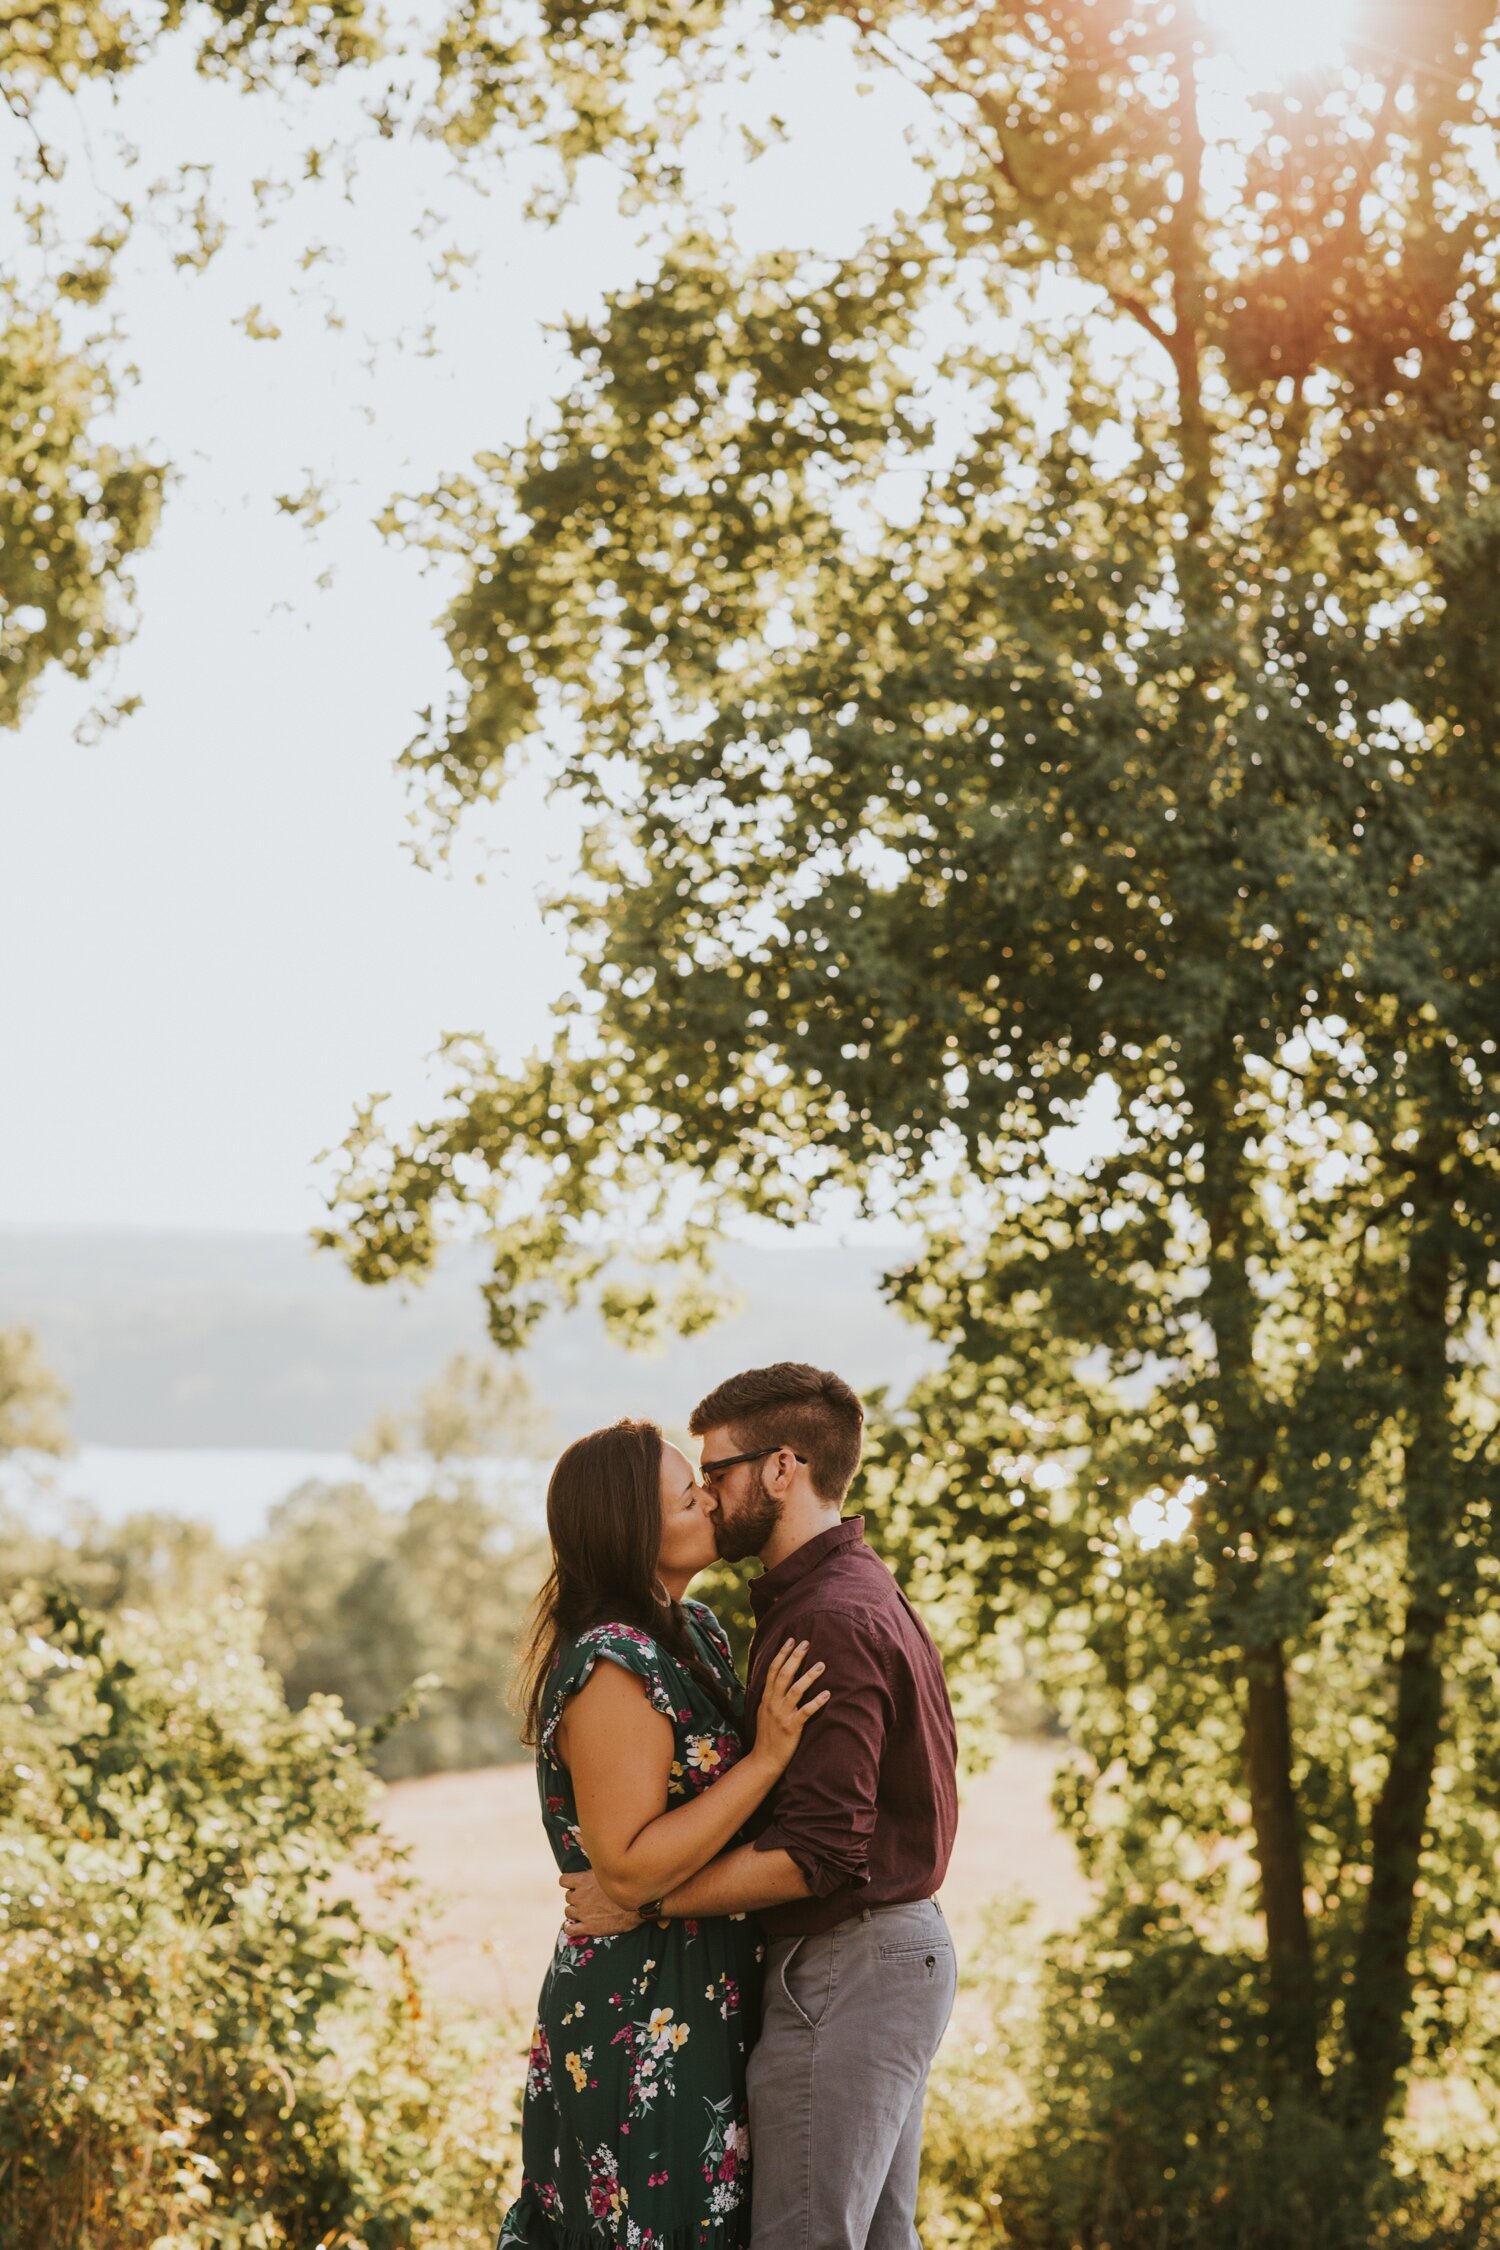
pixel 1094 2095
pixel 205 2040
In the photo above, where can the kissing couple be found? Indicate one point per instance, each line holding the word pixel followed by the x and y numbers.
pixel 753 1964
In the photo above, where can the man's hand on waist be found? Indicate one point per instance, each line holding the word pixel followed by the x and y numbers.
pixel 589 1912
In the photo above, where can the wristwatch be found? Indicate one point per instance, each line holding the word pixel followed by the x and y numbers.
pixel 651 1909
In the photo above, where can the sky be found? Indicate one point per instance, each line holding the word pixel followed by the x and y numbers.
pixel 215 939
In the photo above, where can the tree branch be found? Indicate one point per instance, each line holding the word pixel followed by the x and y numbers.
pixel 998 152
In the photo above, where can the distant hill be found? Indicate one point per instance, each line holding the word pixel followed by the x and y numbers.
pixel 181 1339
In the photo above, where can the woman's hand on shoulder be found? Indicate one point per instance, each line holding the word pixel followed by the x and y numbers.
pixel 786 1704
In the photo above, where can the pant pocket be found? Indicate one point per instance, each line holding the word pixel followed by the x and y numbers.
pixel 806 1976
pixel 929 1960
pixel 914 1933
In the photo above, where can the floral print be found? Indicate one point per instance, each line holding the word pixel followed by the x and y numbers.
pixel 539 2066
pixel 651 2052
pixel 726 2159
pixel 635 2132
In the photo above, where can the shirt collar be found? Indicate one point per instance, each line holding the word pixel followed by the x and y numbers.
pixel 772 1584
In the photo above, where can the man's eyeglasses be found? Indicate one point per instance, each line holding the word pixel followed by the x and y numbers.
pixel 708 1470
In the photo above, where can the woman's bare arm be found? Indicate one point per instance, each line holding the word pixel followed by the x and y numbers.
pixel 618 1750
pixel 742 1881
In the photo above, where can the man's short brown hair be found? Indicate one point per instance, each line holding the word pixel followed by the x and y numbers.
pixel 807 1408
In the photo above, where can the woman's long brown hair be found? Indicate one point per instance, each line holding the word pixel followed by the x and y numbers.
pixel 604 1520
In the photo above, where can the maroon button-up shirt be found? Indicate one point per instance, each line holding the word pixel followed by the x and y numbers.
pixel 868 1807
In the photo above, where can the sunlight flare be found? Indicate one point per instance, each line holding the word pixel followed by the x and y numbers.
pixel 1274 42
pixel 1159 1516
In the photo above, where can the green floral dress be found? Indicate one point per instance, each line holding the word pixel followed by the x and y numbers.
pixel 634 2132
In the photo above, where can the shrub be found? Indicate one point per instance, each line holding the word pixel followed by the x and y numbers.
pixel 1097 2093
pixel 204 2040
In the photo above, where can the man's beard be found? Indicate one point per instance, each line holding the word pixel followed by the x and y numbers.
pixel 748 1529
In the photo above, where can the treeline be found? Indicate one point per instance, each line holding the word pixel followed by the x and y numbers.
pixel 360 1601
pixel 407 1612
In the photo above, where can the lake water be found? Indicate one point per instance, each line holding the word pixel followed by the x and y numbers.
pixel 234 1488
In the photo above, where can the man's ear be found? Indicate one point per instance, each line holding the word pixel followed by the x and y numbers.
pixel 785 1470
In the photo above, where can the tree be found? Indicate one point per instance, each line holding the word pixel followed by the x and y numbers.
pixel 384 1607
pixel 1140 770
pixel 31 1397
pixel 477 1406
pixel 75 508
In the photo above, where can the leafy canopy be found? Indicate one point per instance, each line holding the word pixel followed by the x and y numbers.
pixel 75 506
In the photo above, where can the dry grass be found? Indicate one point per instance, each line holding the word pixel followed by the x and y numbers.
pixel 476 1845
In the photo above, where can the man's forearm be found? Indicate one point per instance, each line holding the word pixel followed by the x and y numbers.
pixel 743 1881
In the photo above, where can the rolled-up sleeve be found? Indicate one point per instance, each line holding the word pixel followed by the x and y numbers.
pixel 823 1814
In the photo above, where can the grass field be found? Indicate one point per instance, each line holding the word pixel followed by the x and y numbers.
pixel 476 1845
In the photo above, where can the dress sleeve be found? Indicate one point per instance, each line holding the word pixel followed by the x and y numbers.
pixel 715 1651
pixel 712 1631
pixel 625 1645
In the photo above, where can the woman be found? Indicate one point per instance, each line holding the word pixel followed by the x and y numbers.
pixel 634 2129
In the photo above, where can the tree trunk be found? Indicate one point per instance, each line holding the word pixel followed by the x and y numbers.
pixel 1290 1980
pixel 1291 1986
pixel 1377 2035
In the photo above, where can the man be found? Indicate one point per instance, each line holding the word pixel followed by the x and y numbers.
pixel 847 1853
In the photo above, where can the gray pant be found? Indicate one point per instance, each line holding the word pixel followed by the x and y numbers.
pixel 837 2078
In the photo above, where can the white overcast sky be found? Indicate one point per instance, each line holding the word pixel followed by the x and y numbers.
pixel 213 940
